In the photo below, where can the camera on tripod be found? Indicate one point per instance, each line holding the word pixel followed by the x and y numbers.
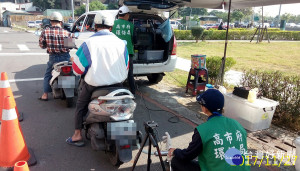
pixel 151 137
pixel 150 125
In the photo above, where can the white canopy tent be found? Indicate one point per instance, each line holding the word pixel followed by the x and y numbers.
pixel 235 4
pixel 230 4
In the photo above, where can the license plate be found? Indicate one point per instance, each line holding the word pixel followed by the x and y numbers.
pixel 66 81
pixel 121 130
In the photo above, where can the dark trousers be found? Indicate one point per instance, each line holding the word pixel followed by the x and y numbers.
pixel 130 77
pixel 179 165
pixel 53 58
pixel 84 98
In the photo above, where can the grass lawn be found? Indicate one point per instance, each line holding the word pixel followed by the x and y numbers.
pixel 282 56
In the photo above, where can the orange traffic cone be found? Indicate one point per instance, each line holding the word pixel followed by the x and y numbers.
pixel 21 166
pixel 12 145
pixel 5 90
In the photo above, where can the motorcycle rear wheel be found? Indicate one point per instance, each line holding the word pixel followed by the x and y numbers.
pixel 114 156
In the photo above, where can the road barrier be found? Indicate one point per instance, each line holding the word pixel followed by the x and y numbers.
pixel 12 145
pixel 21 166
pixel 5 90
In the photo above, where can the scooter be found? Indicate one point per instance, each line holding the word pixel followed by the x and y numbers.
pixel 109 124
pixel 64 82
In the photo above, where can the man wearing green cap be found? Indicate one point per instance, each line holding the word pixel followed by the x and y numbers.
pixel 220 143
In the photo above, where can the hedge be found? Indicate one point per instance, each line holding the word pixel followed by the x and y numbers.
pixel 284 89
pixel 242 34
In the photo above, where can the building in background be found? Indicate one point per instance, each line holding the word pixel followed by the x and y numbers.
pixel 16 6
pixel 7 19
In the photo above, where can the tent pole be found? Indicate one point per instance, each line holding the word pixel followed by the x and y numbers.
pixel 226 42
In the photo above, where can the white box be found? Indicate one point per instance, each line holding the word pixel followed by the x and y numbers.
pixel 252 116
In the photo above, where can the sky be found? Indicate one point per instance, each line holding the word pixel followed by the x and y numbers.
pixel 273 10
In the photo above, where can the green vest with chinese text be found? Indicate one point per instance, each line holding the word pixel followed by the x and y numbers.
pixel 218 135
pixel 123 29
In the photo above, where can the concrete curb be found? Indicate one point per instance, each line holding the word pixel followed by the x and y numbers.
pixel 23 29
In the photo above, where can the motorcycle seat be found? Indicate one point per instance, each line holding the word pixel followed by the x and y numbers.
pixel 103 91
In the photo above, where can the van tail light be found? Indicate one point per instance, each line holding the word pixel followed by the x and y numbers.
pixel 174 46
pixel 125 147
pixel 66 70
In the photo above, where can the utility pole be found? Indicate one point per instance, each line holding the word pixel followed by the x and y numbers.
pixel 262 16
pixel 279 15
pixel 72 5
pixel 87 6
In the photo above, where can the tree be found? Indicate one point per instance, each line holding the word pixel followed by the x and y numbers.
pixel 223 16
pixel 192 11
pixel 174 14
pixel 47 4
pixel 293 19
pixel 286 17
pixel 79 10
pixel 196 18
pixel 215 12
pixel 237 15
pixel 246 11
pixel 113 5
pixel 95 5
pixel 297 19
pixel 197 32
pixel 199 11
pixel 220 15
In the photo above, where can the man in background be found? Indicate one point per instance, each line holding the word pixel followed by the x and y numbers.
pixel 52 39
pixel 124 30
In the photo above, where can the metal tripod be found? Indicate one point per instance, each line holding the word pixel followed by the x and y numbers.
pixel 149 126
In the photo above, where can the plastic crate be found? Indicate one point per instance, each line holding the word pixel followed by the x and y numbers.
pixel 198 61
pixel 252 116
pixel 151 55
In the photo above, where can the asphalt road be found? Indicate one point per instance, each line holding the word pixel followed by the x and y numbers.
pixel 46 125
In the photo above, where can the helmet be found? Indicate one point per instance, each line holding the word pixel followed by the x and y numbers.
pixel 56 16
pixel 104 19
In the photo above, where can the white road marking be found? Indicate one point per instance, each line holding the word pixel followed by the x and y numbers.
pixel 0 47
pixel 27 79
pixel 23 47
pixel 22 54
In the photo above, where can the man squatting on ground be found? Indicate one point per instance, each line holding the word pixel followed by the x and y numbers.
pixel 52 39
pixel 211 139
pixel 103 61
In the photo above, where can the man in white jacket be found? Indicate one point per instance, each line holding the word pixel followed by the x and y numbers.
pixel 103 60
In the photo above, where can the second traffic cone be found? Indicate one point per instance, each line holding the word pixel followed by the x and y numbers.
pixel 5 90
pixel 12 145
pixel 21 166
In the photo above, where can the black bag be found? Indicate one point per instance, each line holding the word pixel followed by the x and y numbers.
pixel 241 92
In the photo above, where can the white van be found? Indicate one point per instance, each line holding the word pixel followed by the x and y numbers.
pixel 175 24
pixel 153 56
